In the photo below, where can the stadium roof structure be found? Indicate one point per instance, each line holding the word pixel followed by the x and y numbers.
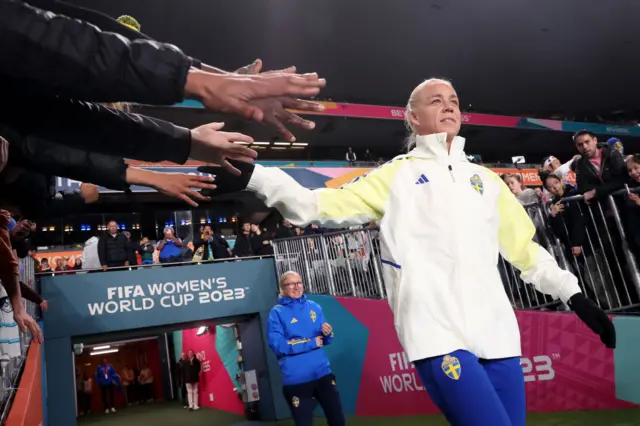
pixel 571 59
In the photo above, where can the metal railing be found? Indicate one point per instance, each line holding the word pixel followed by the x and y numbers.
pixel 147 266
pixel 347 263
pixel 343 263
pixel 11 367
pixel 604 263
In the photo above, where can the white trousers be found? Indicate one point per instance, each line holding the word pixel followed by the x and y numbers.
pixel 192 394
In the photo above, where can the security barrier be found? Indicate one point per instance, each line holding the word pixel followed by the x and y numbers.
pixel 344 263
pixel 347 263
pixel 10 368
pixel 605 264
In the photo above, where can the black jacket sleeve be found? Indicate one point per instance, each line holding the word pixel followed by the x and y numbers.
pixel 617 174
pixel 56 55
pixel 93 127
pixel 581 182
pixel 58 160
pixel 102 250
pixel 576 224
pixel 64 204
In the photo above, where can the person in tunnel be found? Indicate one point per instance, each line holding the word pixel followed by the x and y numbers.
pixel 297 332
pixel 443 224
pixel 191 377
pixel 108 380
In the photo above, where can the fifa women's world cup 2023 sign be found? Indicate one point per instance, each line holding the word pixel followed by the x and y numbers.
pixel 157 296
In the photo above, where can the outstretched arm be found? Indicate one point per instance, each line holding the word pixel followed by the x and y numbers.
pixel 355 203
pixel 536 265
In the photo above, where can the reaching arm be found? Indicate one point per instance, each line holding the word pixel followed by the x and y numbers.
pixel 54 159
pixel 278 341
pixel 102 250
pixel 358 202
pixel 517 247
pixel 56 55
pixel 74 123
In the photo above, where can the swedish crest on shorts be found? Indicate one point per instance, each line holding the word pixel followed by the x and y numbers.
pixel 451 367
pixel 477 184
pixel 295 401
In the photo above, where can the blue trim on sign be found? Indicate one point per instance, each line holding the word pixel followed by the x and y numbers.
pixel 390 263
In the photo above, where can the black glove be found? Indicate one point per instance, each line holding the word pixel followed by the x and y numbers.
pixel 226 182
pixel 595 318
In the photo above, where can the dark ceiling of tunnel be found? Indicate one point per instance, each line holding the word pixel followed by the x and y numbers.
pixel 543 58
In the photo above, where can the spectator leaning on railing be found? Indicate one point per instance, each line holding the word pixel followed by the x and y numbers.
pixel 632 210
pixel 599 170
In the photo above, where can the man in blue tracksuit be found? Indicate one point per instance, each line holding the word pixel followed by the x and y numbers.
pixel 297 332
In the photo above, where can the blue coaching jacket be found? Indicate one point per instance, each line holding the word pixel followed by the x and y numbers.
pixel 106 375
pixel 292 330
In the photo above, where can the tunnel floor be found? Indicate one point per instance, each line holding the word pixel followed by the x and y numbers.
pixel 172 414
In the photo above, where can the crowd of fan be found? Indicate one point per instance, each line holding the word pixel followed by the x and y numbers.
pixel 582 219
pixel 116 249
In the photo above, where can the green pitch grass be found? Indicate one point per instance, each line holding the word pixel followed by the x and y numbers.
pixel 172 414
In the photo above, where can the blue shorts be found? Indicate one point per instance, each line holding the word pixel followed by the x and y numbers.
pixel 475 392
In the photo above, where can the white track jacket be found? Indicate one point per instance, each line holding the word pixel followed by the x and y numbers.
pixel 443 222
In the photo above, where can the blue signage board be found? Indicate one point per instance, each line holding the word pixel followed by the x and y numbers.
pixel 95 303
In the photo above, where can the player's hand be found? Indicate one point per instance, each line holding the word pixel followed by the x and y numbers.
pixel 210 145
pixel 232 93
pixel 326 329
pixel 595 318
pixel 319 342
pixel 25 322
pixel 227 182
pixel 181 185
pixel 105 267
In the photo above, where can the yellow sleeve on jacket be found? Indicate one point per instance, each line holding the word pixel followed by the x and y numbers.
pixel 536 265
pixel 356 203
